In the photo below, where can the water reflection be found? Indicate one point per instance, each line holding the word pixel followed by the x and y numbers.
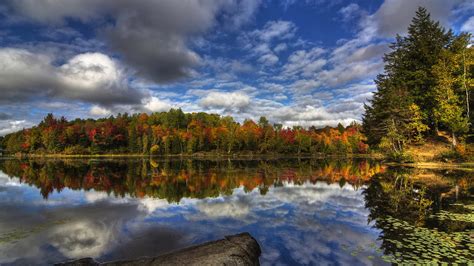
pixel 176 179
pixel 425 216
pixel 301 211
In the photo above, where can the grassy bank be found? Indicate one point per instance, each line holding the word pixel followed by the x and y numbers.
pixel 466 166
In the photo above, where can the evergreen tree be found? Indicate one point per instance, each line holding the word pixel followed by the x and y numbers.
pixel 421 49
pixel 403 107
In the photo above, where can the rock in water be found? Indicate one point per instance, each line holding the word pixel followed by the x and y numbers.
pixel 240 249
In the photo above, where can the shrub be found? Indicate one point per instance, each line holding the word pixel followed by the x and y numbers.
pixel 461 150
pixel 76 149
pixel 452 155
pixel 155 149
pixel 400 157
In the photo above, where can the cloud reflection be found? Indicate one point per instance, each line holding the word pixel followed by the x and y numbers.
pixel 295 224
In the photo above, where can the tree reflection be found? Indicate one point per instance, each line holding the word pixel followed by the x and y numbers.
pixel 175 179
pixel 423 215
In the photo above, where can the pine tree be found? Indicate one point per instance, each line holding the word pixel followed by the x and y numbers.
pixel 403 104
pixel 422 46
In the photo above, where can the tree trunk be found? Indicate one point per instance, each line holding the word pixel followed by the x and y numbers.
pixel 436 129
pixel 394 146
pixel 464 82
pixel 454 140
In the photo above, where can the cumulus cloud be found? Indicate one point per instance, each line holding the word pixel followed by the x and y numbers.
pixel 9 126
pixel 154 104
pixel 394 16
pixel 225 100
pixel 90 77
pixel 152 36
pixel 361 57
pixel 82 239
pixel 161 41
pixel 268 59
pixel 315 116
pixel 280 47
pixel 222 208
pixel 299 216
pixel 22 72
pixel 99 111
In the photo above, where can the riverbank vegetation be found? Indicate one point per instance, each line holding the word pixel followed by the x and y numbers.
pixel 423 92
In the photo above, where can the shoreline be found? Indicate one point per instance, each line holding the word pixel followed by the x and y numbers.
pixel 465 166
pixel 468 166
pixel 199 156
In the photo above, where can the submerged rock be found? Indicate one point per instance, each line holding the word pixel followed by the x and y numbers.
pixel 240 249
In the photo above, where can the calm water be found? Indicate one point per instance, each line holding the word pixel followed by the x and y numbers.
pixel 300 211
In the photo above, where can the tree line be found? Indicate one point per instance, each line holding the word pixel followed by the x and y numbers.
pixel 176 132
pixel 425 87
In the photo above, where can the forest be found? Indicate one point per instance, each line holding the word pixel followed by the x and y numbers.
pixel 176 132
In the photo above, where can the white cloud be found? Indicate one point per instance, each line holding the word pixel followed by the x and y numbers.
pixel 221 209
pixel 394 16
pixel 21 70
pixel 99 111
pixel 280 47
pixel 241 12
pixel 468 26
pixel 89 77
pixel 150 205
pixel 82 239
pixel 350 12
pixel 275 30
pixel 305 62
pixel 222 65
pixel 89 71
pixel 273 87
pixel 304 85
pixel 10 126
pixel 150 35
pixel 268 59
pixel 225 100
pixel 154 104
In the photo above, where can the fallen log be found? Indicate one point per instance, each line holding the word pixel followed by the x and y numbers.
pixel 240 249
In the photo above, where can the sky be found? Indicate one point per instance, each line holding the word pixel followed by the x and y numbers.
pixel 297 62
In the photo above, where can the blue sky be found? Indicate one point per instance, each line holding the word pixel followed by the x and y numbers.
pixel 309 62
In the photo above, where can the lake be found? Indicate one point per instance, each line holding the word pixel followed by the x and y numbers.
pixel 301 211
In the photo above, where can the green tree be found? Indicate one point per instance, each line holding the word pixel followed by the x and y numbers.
pixel 448 107
pixel 415 126
pixel 420 51
pixel 403 105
